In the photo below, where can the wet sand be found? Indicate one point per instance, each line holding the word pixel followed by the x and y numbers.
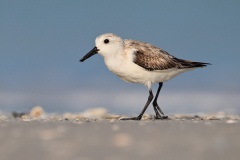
pixel 182 137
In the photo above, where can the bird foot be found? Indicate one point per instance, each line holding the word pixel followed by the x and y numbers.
pixel 161 117
pixel 132 118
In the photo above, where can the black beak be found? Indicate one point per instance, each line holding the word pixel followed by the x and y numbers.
pixel 89 54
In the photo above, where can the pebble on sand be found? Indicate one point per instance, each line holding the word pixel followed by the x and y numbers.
pixel 37 112
pixel 95 113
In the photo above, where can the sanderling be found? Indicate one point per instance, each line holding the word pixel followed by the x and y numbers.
pixel 139 62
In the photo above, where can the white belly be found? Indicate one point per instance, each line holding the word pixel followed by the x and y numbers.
pixel 131 72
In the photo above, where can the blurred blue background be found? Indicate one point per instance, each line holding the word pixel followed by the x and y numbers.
pixel 41 43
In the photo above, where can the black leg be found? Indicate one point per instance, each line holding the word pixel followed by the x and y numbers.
pixel 150 97
pixel 157 109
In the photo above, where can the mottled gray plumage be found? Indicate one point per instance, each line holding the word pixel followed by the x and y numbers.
pixel 153 58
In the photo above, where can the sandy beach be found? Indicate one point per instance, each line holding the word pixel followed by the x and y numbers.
pixel 65 136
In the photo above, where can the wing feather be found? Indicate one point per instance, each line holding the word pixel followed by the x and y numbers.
pixel 152 58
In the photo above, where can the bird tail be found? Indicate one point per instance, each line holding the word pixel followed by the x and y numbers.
pixel 190 64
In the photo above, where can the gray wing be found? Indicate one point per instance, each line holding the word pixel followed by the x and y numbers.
pixel 152 58
pixel 150 62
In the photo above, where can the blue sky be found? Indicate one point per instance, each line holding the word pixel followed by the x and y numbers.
pixel 41 43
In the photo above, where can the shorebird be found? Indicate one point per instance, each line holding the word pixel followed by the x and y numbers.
pixel 139 62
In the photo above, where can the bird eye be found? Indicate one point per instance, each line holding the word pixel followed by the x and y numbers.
pixel 106 41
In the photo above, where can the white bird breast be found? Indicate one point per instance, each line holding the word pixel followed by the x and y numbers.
pixel 124 67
